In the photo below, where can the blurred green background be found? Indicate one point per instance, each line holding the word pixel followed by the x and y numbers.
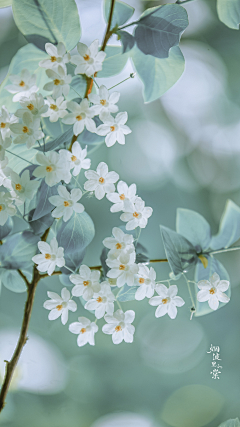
pixel 184 151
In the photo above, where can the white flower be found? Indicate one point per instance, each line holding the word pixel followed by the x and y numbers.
pixel 80 116
pixel 119 326
pixel 101 181
pixel 4 173
pixel 23 85
pixel 77 158
pixel 28 132
pixel 66 203
pixel 212 290
pixel 33 104
pixel 6 207
pixel 58 56
pixel 85 330
pixel 59 306
pixel 114 128
pixel 146 279
pixel 123 268
pixel 4 144
pixel 136 214
pixel 86 282
pixel 60 82
pixel 89 60
pixel 102 301
pixel 118 244
pixel 51 255
pixel 54 168
pixel 104 104
pixel 23 187
pixel 56 108
pixel 6 119
pixel 124 193
pixel 167 301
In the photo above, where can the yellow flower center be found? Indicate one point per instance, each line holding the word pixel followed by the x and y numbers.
pixel 118 328
pixel 103 101
pixel 101 180
pixel 86 283
pixel 53 107
pixel 3 125
pixel 25 129
pixel 118 246
pixel 79 117
pixel 99 299
pixel 53 58
pixel 56 82
pixel 212 291
pixel 141 280
pixel 30 107
pixel 122 197
pixel 21 83
pixel 66 203
pixel 59 307
pixel 86 57
pixel 83 330
pixel 136 215
pixel 112 128
pixel 49 168
pixel 18 187
pixel 73 158
pixel 164 300
pixel 47 256
pixel 122 267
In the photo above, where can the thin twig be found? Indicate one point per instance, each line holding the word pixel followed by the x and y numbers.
pixel 108 33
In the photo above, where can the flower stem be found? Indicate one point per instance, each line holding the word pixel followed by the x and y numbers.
pixel 132 75
pixel 235 248
pixel 189 290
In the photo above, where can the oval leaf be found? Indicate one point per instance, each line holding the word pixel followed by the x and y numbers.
pixel 43 205
pixel 160 28
pixel 114 62
pixel 56 20
pixel 65 137
pixel 202 273
pixel 122 12
pixel 18 249
pixel 42 224
pixel 231 423
pixel 180 253
pixel 194 227
pixel 6 229
pixel 229 12
pixel 127 293
pixel 12 280
pixel 158 75
pixel 229 229
pixel 127 40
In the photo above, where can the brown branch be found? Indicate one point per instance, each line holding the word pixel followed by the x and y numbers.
pixel 108 33
pixel 11 365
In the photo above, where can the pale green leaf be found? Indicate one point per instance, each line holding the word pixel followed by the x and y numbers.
pixel 12 280
pixel 114 62
pixel 55 20
pixel 193 227
pixel 229 12
pixel 229 229
pixel 5 3
pixel 122 12
pixel 158 75
pixel 231 423
pixel 127 293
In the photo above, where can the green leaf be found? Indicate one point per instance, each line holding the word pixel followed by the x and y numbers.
pixel 127 293
pixel 56 20
pixel 127 40
pixel 160 28
pixel 17 163
pixel 28 57
pixel 89 138
pixel 43 205
pixel 12 280
pixel 5 3
pixel 194 228
pixel 6 228
pixel 51 145
pixel 201 273
pixel 79 84
pixel 231 423
pixel 229 229
pixel 18 249
pixel 74 236
pixel 158 75
pixel 122 12
pixel 180 253
pixel 114 62
pixel 42 224
pixel 229 12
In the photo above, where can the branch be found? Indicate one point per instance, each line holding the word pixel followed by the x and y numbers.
pixel 108 33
